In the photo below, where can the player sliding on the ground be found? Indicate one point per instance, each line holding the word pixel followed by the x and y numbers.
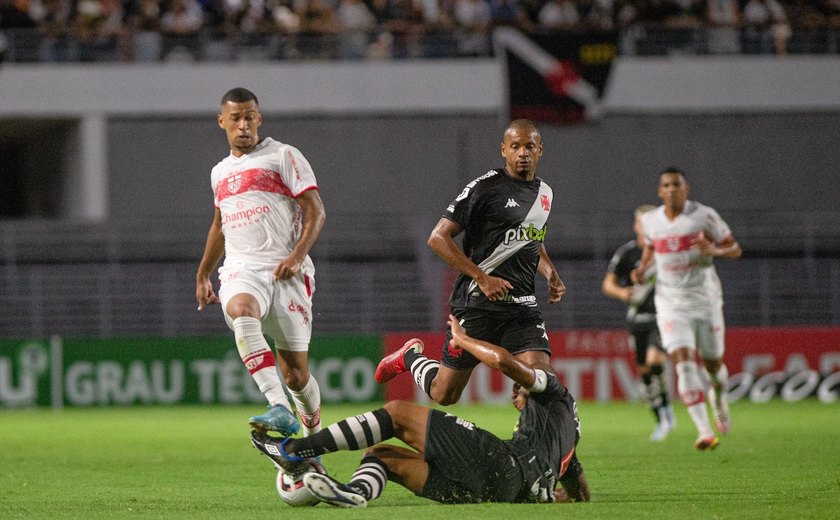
pixel 452 460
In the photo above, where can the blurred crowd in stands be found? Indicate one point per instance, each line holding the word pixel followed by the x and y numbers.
pixel 203 30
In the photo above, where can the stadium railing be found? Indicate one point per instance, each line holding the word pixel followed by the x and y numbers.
pixel 375 274
pixel 645 39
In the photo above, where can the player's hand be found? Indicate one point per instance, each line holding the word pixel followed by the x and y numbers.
pixel 704 245
pixel 637 275
pixel 457 330
pixel 287 268
pixel 493 287
pixel 556 288
pixel 204 293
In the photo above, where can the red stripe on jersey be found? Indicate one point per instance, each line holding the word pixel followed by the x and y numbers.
pixel 674 244
pixel 564 464
pixel 259 361
pixel 308 288
pixel 255 179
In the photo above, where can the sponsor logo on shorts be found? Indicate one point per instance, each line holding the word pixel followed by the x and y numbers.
pixel 229 277
pixel 296 307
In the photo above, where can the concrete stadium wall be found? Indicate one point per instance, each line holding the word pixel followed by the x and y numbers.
pixel 752 133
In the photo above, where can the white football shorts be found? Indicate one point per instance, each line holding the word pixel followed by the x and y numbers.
pixel 698 328
pixel 285 305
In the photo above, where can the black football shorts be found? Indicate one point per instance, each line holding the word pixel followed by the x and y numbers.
pixel 519 329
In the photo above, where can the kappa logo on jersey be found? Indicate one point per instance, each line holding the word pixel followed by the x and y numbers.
pixel 522 234
pixel 545 203
pixel 511 204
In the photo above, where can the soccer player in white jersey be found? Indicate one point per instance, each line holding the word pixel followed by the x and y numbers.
pixel 682 237
pixel 268 215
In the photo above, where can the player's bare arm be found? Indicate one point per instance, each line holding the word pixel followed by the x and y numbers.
pixel 727 248
pixel 638 274
pixel 214 249
pixel 491 355
pixel 556 287
pixel 442 242
pixel 610 287
pixel 314 216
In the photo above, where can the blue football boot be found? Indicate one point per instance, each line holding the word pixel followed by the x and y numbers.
pixel 278 419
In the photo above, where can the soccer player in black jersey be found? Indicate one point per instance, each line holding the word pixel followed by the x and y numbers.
pixel 452 460
pixel 641 323
pixel 503 216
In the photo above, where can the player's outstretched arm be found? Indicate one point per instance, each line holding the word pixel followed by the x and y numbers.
pixel 214 249
pixel 492 355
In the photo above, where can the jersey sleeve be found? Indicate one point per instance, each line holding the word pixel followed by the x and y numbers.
pixel 553 390
pixel 715 227
pixel 214 179
pixel 463 207
pixel 622 263
pixel 295 171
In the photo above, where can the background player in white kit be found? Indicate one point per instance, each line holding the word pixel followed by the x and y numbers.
pixel 683 237
pixel 268 216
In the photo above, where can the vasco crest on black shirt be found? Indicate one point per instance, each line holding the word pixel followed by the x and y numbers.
pixel 504 221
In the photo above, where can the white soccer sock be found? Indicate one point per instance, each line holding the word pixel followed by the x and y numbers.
pixel 425 371
pixel 259 359
pixel 690 387
pixel 308 403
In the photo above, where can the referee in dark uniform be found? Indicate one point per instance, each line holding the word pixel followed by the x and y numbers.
pixel 641 323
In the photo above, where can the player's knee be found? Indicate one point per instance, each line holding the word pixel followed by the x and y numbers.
pixel 242 309
pixel 296 377
pixel 446 398
pixel 380 451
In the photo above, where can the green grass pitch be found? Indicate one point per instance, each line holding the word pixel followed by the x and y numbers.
pixel 782 460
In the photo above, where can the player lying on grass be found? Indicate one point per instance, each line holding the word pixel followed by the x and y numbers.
pixel 451 460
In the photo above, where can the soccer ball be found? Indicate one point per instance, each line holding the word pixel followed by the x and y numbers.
pixel 293 492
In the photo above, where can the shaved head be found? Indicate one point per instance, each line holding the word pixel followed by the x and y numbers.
pixel 525 126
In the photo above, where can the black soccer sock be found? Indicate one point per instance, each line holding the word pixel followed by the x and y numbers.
pixel 651 392
pixel 422 368
pixel 352 433
pixel 370 479
pixel 657 373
